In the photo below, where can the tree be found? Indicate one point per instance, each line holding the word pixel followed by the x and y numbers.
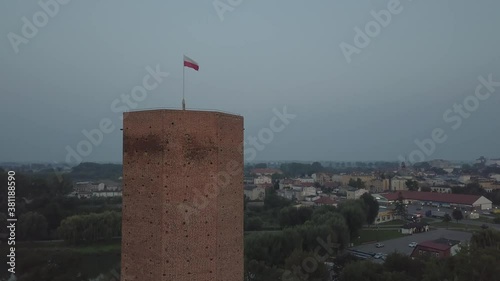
pixel 32 226
pixel 362 271
pixel 292 216
pixel 497 220
pixel 425 189
pixel 253 224
pixel 358 183
pixel 457 215
pixel 412 185
pixel 399 206
pixel 313 269
pixel 447 218
pixel 354 215
pixel 372 207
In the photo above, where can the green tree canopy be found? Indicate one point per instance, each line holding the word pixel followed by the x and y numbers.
pixel 372 207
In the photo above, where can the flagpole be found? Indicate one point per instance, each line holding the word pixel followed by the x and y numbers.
pixel 183 85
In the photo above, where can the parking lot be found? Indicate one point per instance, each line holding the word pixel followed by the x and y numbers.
pixel 401 244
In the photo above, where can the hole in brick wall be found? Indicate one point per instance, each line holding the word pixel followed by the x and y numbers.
pixel 172 123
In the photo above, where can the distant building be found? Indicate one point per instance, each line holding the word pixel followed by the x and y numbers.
pixel 306 180
pixel 325 201
pixel 355 193
pixel 464 179
pixel 287 194
pixel 378 185
pixel 255 193
pixel 323 178
pixel 438 248
pixel 441 189
pixel 399 183
pixel 463 200
pixel 385 215
pixel 414 227
pixel 262 180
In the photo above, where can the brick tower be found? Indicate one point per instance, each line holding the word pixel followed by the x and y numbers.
pixel 182 196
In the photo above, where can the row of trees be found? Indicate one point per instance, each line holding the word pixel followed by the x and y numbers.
pixel 271 255
pixel 92 227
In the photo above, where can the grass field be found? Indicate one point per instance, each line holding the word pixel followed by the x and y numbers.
pixel 454 225
pixel 90 260
pixel 367 235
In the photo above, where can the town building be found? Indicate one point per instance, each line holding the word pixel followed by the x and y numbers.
pixel 438 248
pixel 458 200
pixel 326 201
pixel 263 180
pixel 441 189
pixel 414 227
pixel 255 193
pixel 355 193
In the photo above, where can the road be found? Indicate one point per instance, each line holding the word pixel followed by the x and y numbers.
pixel 401 244
pixel 412 209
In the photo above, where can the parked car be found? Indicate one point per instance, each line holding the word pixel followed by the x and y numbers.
pixel 379 245
pixel 378 256
pixel 413 244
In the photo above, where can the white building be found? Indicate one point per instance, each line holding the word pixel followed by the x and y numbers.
pixel 399 183
pixel 464 179
pixel 496 177
pixel 308 180
pixel 356 193
pixel 255 192
pixel 262 180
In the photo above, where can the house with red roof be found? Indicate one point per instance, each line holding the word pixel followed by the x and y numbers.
pixel 465 200
pixel 438 248
pixel 325 200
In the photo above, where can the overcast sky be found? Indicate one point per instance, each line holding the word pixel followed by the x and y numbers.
pixel 258 56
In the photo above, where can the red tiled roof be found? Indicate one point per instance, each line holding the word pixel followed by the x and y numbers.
pixel 434 196
pixel 325 200
pixel 434 246
pixel 265 185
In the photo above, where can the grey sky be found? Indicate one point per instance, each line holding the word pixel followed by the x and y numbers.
pixel 263 55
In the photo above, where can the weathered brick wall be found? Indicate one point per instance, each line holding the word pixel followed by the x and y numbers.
pixel 183 196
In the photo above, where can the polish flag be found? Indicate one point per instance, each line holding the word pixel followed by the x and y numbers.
pixel 191 63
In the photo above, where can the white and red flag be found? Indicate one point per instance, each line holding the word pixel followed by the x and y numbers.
pixel 191 63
